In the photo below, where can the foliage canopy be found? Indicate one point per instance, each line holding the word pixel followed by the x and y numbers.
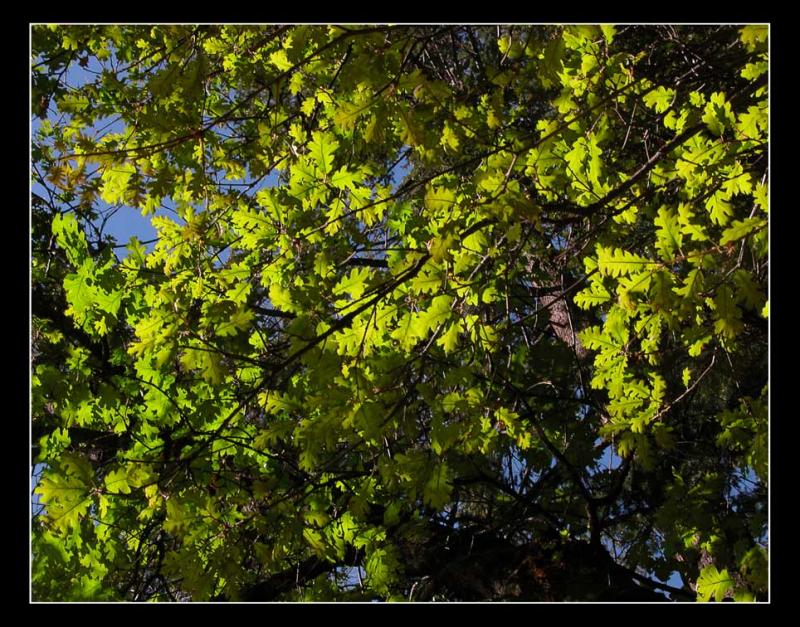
pixel 431 312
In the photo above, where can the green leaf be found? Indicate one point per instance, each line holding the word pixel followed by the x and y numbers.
pixel 595 338
pixel 737 182
pixel 281 297
pixel 178 517
pixel 117 482
pixel 592 296
pixel 449 339
pixel 322 149
pixel 753 122
pixel 719 208
pixel 608 30
pixel 70 238
pixel 108 301
pixel 65 492
pixel 449 138
pixel 354 284
pixel 713 583
pixel 692 284
pixel 137 250
pixel 744 596
pixel 440 247
pixel 208 363
pixel 761 196
pixel 659 99
pixel 280 60
pixel 727 314
pixel 345 179
pixel 80 294
pixel 753 36
pixel 347 115
pixel 688 224
pixel 752 71
pixel 754 565
pixel 115 182
pixel 381 568
pixel 717 114
pixel 440 199
pixel 669 236
pixel 406 332
pixel 438 487
pixel 741 228
pixel 616 262
pixel 490 295
pixel 410 130
pixel 436 314
pixel 428 280
pixel 238 321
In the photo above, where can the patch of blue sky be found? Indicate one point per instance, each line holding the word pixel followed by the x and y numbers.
pixel 401 168
pixel 37 507
pixel 349 577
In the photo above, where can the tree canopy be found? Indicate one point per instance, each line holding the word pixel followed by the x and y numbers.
pixel 430 313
